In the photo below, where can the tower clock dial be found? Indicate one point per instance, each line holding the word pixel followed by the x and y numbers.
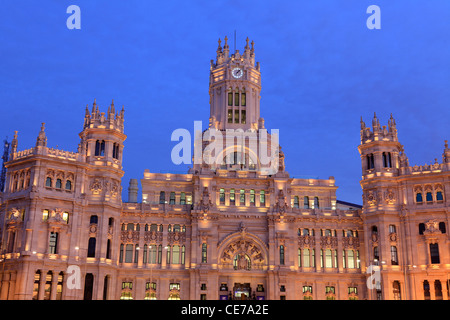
pixel 237 73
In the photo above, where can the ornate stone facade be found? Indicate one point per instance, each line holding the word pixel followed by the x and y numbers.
pixel 226 230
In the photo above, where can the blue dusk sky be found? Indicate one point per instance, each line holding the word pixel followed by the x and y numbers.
pixel 322 69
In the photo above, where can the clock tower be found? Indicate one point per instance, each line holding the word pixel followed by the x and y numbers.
pixel 234 89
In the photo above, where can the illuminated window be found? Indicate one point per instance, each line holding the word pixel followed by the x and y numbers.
pixel 243 99
pixel 232 199
pixel 204 253
pixel 243 117
pixel 242 197
pixel 262 198
pixel 236 98
pixel 252 197
pixel 236 116
pixel 222 196
pixel 230 98
pixel 44 215
pixel 230 115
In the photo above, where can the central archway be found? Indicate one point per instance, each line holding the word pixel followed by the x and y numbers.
pixel 243 251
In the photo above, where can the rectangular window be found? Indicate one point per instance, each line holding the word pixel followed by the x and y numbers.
pixel 243 117
pixel 176 254
pixel 129 253
pixel 183 198
pixel 236 116
pixel 262 198
pixel 252 197
pixel 204 253
pixel 306 258
pixel 172 198
pixel 53 243
pixel 434 253
pixel 230 98
pixel 243 99
pixel 232 200
pixel 242 197
pixel 230 115
pixel 222 196
pixel 236 98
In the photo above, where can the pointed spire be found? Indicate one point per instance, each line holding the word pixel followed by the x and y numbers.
pixel 226 48
pixel 363 125
pixel 14 142
pixel 219 48
pixel 41 140
pixel 253 47
pixel 246 45
pixel 93 108
pixel 87 110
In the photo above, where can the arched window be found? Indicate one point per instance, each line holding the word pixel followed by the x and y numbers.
pixel 442 227
pixel 439 196
pixel 306 202
pixel 183 198
pixel 115 151
pixel 129 253
pixel 429 197
pixel 421 228
pixel 48 182
pixel 394 255
pixel 88 286
pixel 58 184
pixel 53 243
pixel 438 289
pixel 387 163
pixel 351 259
pixel 374 230
pixel 93 219
pixel 434 253
pixel 296 202
pixel 59 286
pixel 419 198
pixel 152 254
pixel 172 198
pixel 100 148
pixel 48 285
pixel 316 202
pixel 68 185
pixel 396 290
pixel 37 281
pixel 370 161
pixel 176 254
pixel 426 290
pixel 162 197
pixel 91 247
pixel 376 255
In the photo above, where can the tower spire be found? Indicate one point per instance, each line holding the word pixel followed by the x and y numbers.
pixel 41 140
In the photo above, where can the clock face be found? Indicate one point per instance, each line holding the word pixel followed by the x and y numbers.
pixel 237 73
